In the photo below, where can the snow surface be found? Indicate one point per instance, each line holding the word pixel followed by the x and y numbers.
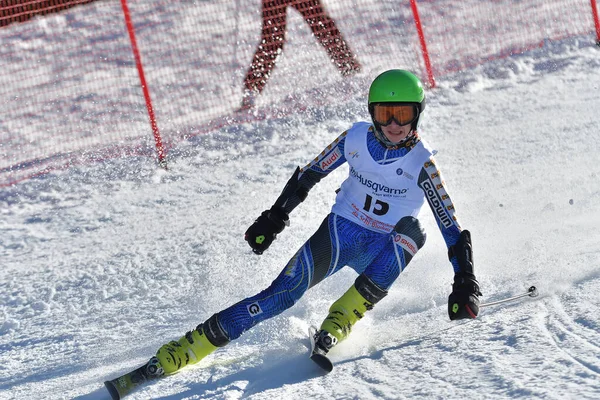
pixel 102 264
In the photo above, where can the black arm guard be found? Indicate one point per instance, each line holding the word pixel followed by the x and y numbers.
pixel 292 188
pixel 463 251
pixel 463 302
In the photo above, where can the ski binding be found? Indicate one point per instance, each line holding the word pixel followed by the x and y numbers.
pixel 125 384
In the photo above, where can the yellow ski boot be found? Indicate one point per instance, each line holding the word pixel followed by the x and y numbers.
pixel 346 311
pixel 190 349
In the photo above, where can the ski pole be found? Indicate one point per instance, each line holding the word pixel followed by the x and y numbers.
pixel 531 292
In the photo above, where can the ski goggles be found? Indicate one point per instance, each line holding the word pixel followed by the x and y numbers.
pixel 403 114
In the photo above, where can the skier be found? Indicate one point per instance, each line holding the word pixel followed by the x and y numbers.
pixel 273 31
pixel 371 228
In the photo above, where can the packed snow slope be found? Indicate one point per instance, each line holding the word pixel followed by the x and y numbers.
pixel 103 264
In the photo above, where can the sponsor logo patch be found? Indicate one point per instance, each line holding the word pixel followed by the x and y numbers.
pixel 330 159
pixel 377 188
pixel 436 203
pixel 406 243
pixel 290 269
pixel 254 309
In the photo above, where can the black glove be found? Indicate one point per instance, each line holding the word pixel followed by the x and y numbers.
pixel 264 230
pixel 463 302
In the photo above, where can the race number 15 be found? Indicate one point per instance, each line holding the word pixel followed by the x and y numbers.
pixel 380 207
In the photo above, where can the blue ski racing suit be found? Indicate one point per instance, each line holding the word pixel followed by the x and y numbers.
pixel 372 226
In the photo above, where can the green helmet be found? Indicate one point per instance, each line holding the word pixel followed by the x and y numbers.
pixel 397 86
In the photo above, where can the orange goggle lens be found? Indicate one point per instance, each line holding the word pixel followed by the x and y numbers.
pixel 403 114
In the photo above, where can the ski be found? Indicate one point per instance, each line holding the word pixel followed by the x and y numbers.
pixel 316 354
pixel 322 361
pixel 125 384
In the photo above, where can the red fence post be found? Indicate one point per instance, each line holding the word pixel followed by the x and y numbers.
pixel 596 21
pixel 138 62
pixel 430 77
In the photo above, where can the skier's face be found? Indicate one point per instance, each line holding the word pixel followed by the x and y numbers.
pixel 396 133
